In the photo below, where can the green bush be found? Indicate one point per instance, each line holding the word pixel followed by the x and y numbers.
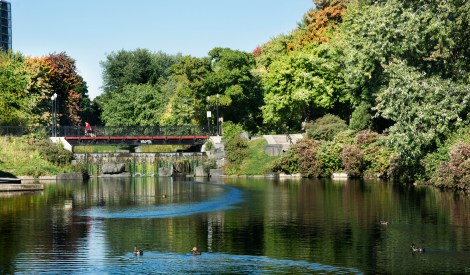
pixel 54 153
pixel 287 163
pixel 326 127
pixel 209 145
pixel 209 164
pixel 376 153
pixel 361 117
pixel 231 130
pixel 330 159
pixel 235 150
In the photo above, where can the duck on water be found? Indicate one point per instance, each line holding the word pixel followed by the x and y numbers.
pixel 416 249
pixel 138 252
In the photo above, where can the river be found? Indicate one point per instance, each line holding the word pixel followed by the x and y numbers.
pixel 241 226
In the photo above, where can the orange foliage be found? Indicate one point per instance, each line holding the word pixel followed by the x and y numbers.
pixel 257 51
pixel 65 81
pixel 325 16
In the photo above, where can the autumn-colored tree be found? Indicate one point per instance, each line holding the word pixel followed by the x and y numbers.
pixel 64 81
pixel 38 69
pixel 317 22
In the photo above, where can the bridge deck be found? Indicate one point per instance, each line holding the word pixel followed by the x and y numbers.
pixel 118 135
pixel 136 140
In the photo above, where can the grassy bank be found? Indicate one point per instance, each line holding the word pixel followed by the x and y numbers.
pixel 256 161
pixel 33 156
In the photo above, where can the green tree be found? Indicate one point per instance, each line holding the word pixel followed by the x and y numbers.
pixel 302 86
pixel 231 77
pixel 139 66
pixel 361 117
pixel 137 81
pixel 14 107
pixel 187 103
pixel 425 109
pixel 136 105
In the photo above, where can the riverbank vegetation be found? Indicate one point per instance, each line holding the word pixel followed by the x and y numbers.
pixel 379 87
pixel 35 156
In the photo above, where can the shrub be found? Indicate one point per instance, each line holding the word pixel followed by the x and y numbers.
pixel 375 153
pixel 309 160
pixel 329 156
pixel 288 163
pixel 361 117
pixel 456 172
pixel 209 145
pixel 326 127
pixel 366 138
pixel 235 150
pixel 352 160
pixel 231 130
pixel 54 153
pixel 209 164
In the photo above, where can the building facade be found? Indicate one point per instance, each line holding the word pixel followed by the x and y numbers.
pixel 5 25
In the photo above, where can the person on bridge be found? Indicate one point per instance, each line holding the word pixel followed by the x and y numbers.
pixel 88 130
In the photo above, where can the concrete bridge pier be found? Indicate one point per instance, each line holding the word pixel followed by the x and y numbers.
pixel 61 140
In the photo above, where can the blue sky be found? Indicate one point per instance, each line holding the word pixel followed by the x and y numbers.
pixel 88 30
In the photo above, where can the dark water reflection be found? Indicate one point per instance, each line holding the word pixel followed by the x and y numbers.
pixel 241 225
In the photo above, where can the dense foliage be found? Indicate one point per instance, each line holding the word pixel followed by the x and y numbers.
pixel 396 66
pixel 27 84
pixel 155 88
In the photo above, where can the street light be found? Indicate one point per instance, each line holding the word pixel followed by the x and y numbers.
pixel 54 115
pixel 209 115
pixel 217 112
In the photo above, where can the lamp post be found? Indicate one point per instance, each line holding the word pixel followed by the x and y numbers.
pixel 217 111
pixel 54 115
pixel 208 116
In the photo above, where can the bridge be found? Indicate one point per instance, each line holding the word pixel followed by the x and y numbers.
pixel 117 135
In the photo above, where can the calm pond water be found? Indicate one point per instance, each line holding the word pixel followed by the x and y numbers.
pixel 242 226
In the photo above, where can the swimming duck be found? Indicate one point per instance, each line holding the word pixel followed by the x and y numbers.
pixel 416 249
pixel 383 222
pixel 195 251
pixel 138 252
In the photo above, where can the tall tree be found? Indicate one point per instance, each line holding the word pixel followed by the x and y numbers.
pixel 425 109
pixel 65 82
pixel 14 107
pixel 302 86
pixel 139 71
pixel 187 101
pixel 240 95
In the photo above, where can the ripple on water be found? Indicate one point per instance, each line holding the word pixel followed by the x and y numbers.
pixel 171 263
pixel 231 196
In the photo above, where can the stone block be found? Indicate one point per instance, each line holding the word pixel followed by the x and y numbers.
pixel 273 149
pixel 113 168
pixel 199 172
pixel 216 172
pixel 164 172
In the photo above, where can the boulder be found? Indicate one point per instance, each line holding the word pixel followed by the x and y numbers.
pixel 199 172
pixel 164 172
pixel 113 168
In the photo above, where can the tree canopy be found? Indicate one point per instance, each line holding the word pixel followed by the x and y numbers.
pixel 27 84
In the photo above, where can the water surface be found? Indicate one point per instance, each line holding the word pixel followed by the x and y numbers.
pixel 241 226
